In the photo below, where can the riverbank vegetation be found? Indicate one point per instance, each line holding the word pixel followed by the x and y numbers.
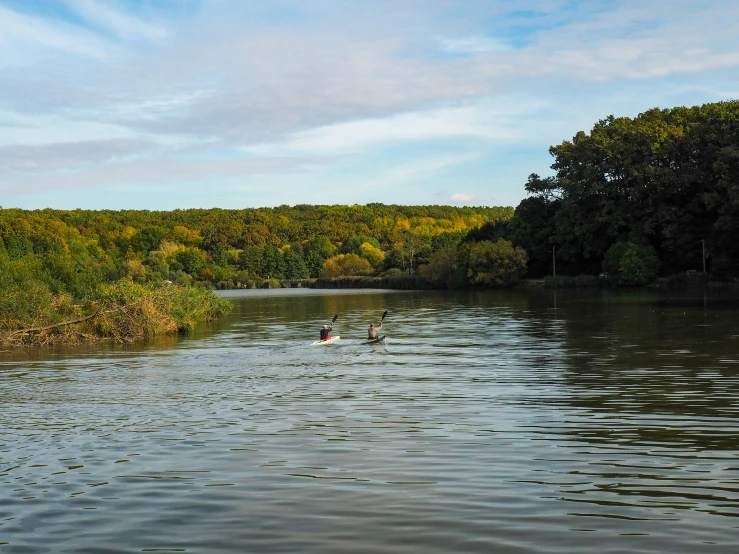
pixel 123 311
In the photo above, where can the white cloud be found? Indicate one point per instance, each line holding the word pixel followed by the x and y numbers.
pixel 153 173
pixel 69 155
pixel 463 198
pixel 300 85
pixel 25 39
pixel 494 120
pixel 117 22
pixel 472 45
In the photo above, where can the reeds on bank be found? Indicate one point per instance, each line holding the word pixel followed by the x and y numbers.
pixel 121 312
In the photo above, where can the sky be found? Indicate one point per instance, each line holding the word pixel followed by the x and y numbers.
pixel 167 104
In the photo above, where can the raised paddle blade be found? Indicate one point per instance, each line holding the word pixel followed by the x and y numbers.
pixel 334 319
pixel 383 315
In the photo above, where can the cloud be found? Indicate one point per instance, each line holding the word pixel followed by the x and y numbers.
pixel 121 24
pixel 26 39
pixel 291 86
pixel 254 84
pixel 463 198
pixel 69 155
pixel 498 121
pixel 154 174
pixel 472 45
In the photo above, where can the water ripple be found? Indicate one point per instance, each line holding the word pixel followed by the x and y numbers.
pixel 505 422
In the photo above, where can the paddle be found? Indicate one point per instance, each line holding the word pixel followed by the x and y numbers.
pixel 383 316
pixel 334 319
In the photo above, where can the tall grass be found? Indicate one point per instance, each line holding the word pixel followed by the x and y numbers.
pixel 122 311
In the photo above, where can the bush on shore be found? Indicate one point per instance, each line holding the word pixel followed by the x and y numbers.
pixel 123 311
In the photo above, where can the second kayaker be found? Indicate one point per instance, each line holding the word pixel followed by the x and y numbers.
pixel 372 331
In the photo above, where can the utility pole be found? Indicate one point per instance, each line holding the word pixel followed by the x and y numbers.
pixel 703 245
pixel 554 263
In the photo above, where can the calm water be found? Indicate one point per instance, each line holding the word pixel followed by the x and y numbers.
pixel 489 422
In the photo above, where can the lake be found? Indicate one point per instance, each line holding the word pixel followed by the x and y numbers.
pixel 506 422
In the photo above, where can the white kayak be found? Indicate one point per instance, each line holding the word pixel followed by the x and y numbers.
pixel 329 340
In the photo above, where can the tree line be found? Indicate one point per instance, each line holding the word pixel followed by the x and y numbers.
pixel 636 198
pixel 74 250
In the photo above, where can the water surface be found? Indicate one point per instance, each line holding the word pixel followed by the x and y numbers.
pixel 519 422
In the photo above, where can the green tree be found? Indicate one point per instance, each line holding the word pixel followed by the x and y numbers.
pixel 317 251
pixel 491 264
pixel 192 261
pixel 157 265
pixel 441 269
pixel 251 259
pixel 294 264
pixel 354 244
pixel 626 263
pixel 148 239
pixel 273 266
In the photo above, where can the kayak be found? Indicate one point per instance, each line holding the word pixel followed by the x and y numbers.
pixel 326 341
pixel 375 341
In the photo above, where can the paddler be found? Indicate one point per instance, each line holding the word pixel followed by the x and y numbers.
pixel 372 331
pixel 325 331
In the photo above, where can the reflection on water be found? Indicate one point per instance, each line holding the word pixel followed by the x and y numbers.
pixel 489 422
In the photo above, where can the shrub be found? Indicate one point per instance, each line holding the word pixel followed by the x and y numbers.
pixel 627 263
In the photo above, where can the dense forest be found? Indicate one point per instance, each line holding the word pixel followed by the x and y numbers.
pixel 74 250
pixel 636 198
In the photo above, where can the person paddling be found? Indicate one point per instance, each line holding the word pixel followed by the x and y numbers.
pixel 326 329
pixel 372 331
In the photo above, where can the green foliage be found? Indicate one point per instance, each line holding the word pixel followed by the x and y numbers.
pixel 354 244
pixel 397 258
pixel 491 264
pixel 295 267
pixel 131 311
pixel 626 263
pixel 23 297
pixel 251 259
pixel 148 239
pixel 191 261
pixel 158 266
pixel 442 268
pixel 273 265
pixel 55 253
pixel 666 179
pixel 18 247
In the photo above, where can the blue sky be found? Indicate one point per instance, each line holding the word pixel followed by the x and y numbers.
pixel 164 104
